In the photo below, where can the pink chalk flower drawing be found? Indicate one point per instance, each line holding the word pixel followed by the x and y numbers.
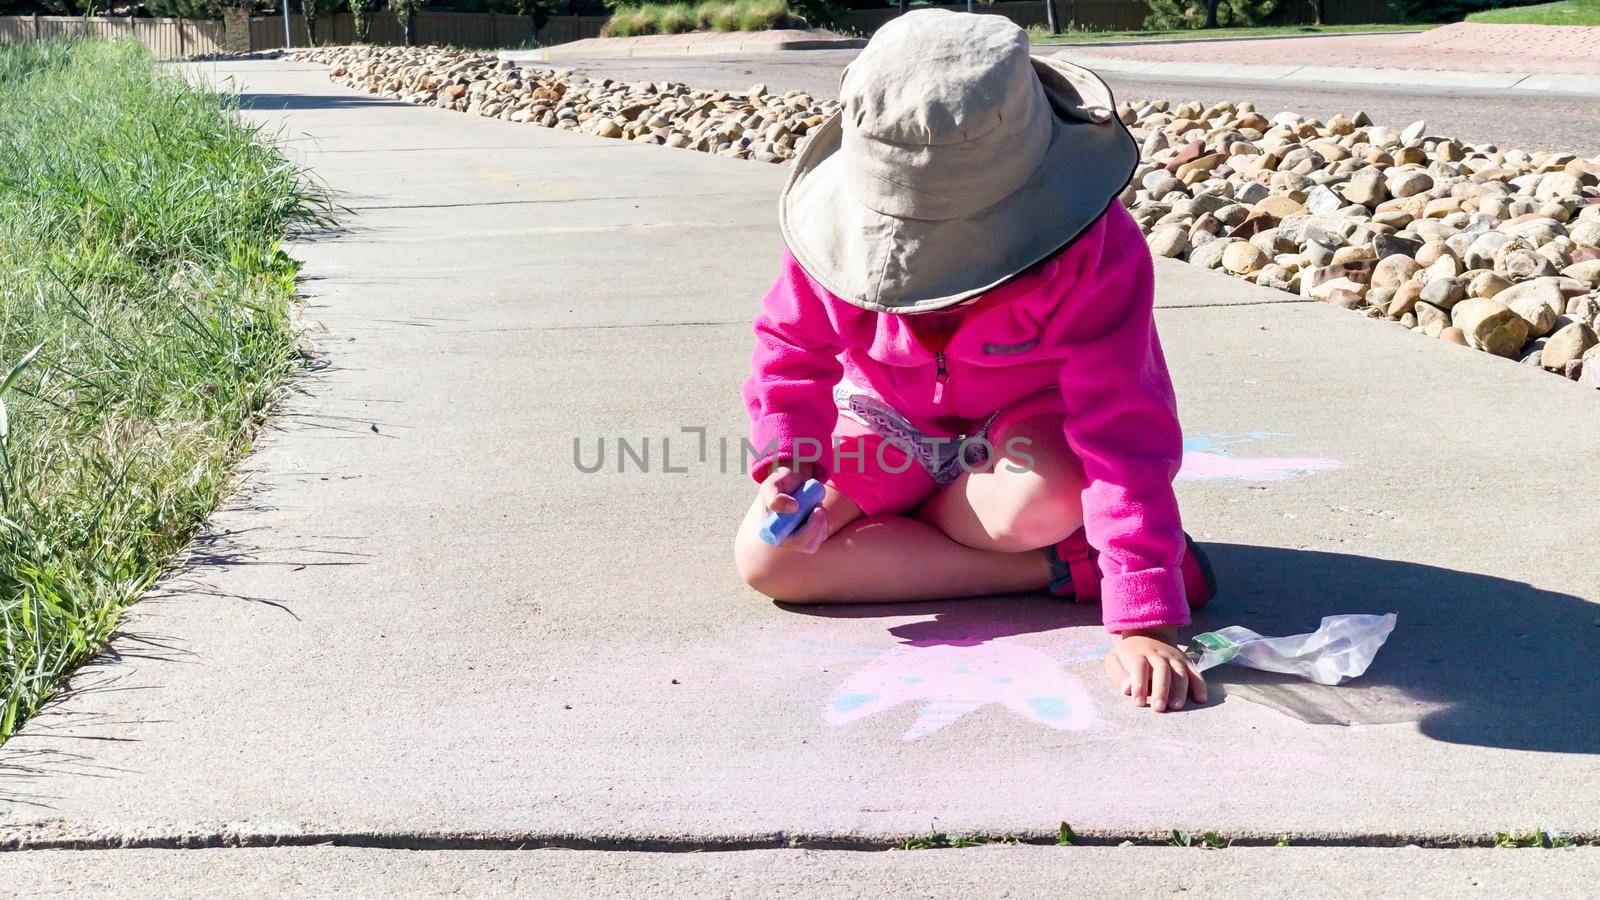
pixel 1207 457
pixel 961 660
pixel 947 683
pixel 945 676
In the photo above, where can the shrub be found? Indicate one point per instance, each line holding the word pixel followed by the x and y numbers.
pixel 629 21
pixel 174 9
pixel 715 15
pixel 758 16
pixel 675 19
pixel 1169 15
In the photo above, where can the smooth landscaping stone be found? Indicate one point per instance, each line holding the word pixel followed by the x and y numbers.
pixel 1489 325
pixel 1169 242
pixel 1568 345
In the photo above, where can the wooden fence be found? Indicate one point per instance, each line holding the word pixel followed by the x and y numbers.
pixel 179 38
pixel 166 38
pixel 561 29
pixel 476 30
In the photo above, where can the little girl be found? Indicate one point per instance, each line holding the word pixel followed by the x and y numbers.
pixel 961 347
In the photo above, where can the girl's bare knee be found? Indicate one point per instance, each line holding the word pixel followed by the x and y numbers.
pixel 1035 517
pixel 782 575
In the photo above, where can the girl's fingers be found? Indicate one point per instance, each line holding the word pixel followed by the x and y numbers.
pixel 1197 683
pixel 1160 683
pixel 777 489
pixel 780 503
pixel 1139 677
pixel 1118 673
pixel 810 537
pixel 1180 684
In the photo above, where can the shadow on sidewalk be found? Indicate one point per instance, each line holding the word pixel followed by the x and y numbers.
pixel 1474 659
pixel 311 101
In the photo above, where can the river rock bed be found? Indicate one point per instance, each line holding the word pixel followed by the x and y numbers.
pixel 1498 250
pixel 753 124
pixel 1490 248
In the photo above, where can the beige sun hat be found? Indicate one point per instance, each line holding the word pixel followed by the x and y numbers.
pixel 956 161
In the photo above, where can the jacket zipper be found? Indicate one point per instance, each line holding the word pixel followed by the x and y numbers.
pixel 941 377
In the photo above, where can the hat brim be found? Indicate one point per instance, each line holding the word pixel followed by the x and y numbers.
pixel 900 265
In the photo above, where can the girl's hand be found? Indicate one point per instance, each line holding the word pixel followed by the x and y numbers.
pixel 1150 668
pixel 777 495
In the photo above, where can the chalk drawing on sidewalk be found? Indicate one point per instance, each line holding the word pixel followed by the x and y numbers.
pixel 1208 457
pixel 947 681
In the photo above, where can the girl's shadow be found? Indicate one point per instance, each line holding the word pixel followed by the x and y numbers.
pixel 1473 659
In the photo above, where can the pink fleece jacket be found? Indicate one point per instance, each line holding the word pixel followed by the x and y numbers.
pixel 1083 321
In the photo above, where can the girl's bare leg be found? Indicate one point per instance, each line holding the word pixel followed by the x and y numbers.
pixel 981 535
pixel 1027 500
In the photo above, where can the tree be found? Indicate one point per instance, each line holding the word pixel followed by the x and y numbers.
pixel 168 9
pixel 404 12
pixel 1318 14
pixel 181 9
pixel 1170 15
pixel 539 11
pixel 361 11
pixel 311 10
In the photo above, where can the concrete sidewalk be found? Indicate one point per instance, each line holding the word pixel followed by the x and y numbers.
pixel 992 871
pixel 420 625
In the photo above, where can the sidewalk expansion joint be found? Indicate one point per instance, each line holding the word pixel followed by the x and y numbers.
pixel 612 326
pixel 435 842
pixel 427 149
pixel 531 202
pixel 1292 301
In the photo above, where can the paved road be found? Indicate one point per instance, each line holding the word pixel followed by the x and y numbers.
pixel 420 626
pixel 1528 121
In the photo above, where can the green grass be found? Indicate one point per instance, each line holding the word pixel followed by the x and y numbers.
pixel 1538 838
pixel 1041 35
pixel 1567 12
pixel 144 329
pixel 1210 840
pixel 938 840
pixel 680 18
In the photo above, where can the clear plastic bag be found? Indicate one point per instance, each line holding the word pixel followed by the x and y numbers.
pixel 1339 650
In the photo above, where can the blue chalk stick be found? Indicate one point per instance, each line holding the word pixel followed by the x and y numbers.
pixel 779 526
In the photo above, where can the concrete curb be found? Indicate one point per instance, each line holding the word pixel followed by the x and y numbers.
pixel 1224 40
pixel 1563 84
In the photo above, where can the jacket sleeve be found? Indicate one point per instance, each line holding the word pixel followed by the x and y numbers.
pixel 789 394
pixel 1122 422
